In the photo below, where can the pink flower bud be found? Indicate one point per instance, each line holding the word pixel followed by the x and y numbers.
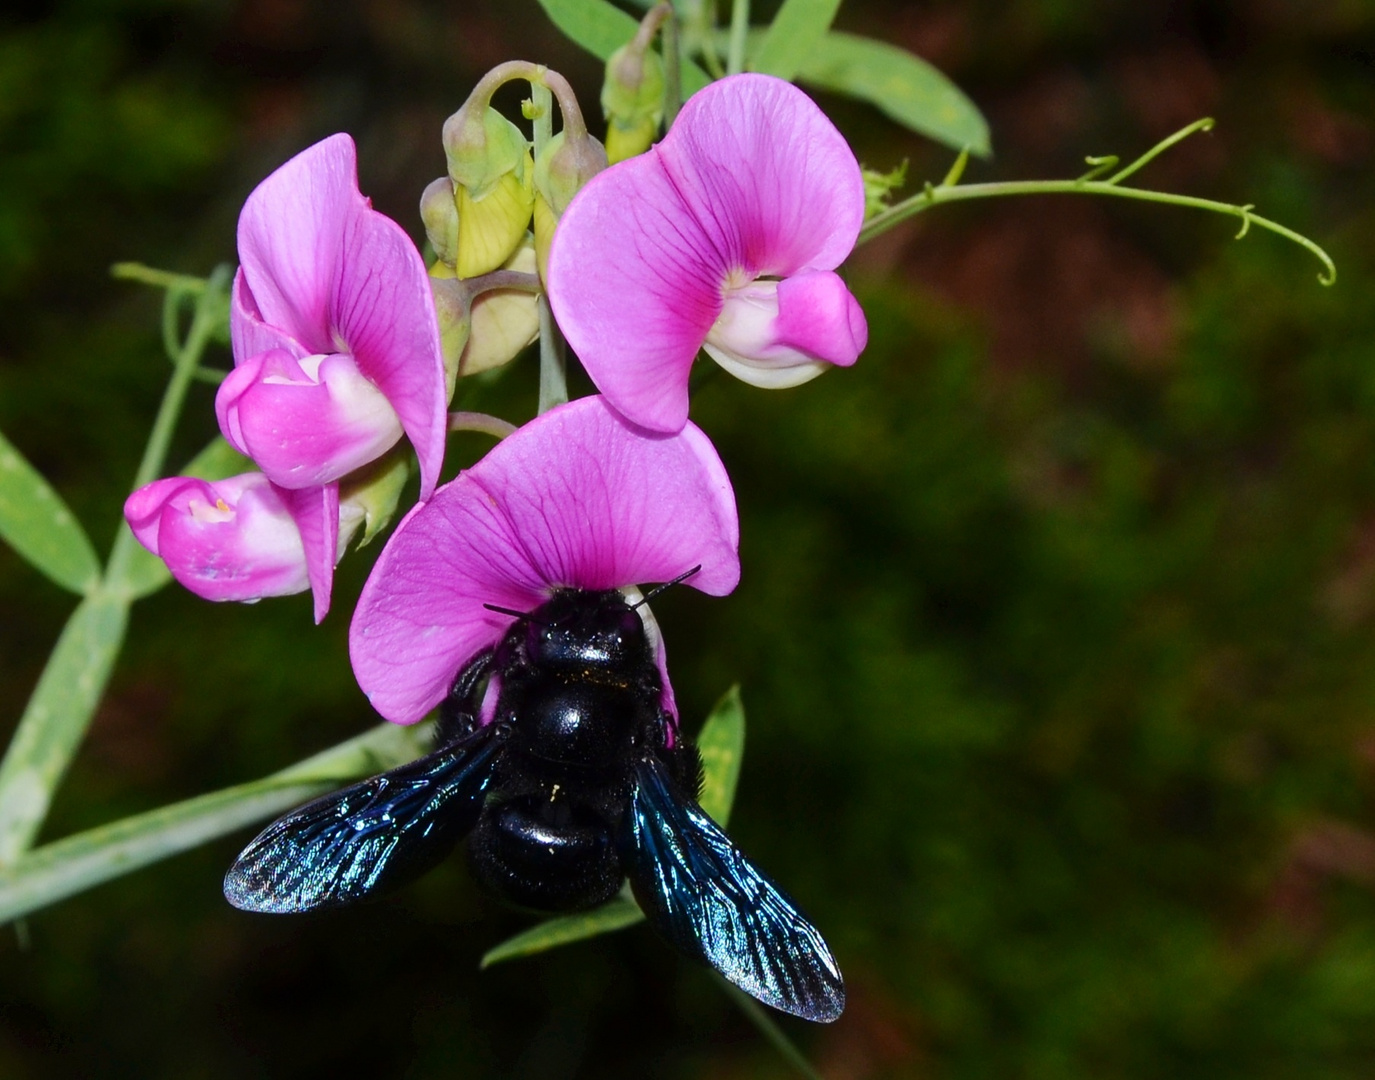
pixel 233 539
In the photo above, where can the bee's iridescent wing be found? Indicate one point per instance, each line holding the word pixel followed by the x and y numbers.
pixel 700 892
pixel 368 838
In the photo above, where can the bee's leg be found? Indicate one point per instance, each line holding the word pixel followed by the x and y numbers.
pixel 458 712
pixel 683 761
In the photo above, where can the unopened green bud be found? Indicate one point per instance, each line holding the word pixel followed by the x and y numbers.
pixel 453 303
pixel 481 146
pixel 491 226
pixel 503 321
pixel 564 166
pixel 439 212
pixel 492 171
pixel 632 99
pixel 373 492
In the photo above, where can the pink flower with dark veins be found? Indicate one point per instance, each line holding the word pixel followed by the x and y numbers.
pixel 724 236
pixel 336 344
pixel 234 539
pixel 576 499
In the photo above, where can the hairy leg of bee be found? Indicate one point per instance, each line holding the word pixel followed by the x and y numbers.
pixel 458 712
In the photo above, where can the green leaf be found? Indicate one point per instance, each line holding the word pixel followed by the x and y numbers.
pixel 903 86
pixel 76 863
pixel 56 717
pixel 722 746
pixel 615 914
pixel 796 31
pixel 217 461
pixel 36 523
pixel 602 28
pixel 145 573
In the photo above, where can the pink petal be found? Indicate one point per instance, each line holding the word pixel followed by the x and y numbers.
pixel 577 498
pixel 781 333
pixel 307 422
pixel 291 234
pixel 635 285
pixel 249 336
pixel 316 514
pixel 751 180
pixel 819 316
pixel 143 509
pixel 230 540
pixel 382 310
pixel 767 175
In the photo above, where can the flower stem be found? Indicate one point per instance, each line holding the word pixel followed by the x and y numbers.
pixel 950 190
pixel 553 378
pixel 483 422
pixel 739 28
pixel 75 863
pixel 208 313
pixel 673 79
pixel 161 279
pixel 59 711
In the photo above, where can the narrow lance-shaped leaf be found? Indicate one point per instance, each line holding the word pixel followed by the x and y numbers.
pixel 722 744
pixel 36 523
pixel 145 573
pixel 602 28
pixel 76 863
pixel 903 86
pixel 615 914
pixel 56 717
pixel 795 32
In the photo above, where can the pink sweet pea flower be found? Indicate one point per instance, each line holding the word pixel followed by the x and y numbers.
pixel 578 498
pixel 234 539
pixel 724 236
pixel 336 344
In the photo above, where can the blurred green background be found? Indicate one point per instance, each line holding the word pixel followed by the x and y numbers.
pixel 1057 625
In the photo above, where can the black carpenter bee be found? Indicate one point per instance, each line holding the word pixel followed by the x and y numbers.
pixel 579 781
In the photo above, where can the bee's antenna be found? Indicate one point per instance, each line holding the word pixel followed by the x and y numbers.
pixel 660 588
pixel 523 615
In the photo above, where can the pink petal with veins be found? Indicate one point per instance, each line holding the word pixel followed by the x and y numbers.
pixel 316 513
pixel 291 235
pixel 305 422
pixel 233 539
pixel 578 498
pixel 751 180
pixel 323 273
pixel 383 310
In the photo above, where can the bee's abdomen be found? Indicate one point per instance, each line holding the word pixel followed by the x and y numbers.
pixel 545 854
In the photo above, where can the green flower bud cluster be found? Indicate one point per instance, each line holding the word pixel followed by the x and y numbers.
pixel 479 217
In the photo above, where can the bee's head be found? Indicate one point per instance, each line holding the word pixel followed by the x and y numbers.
pixel 576 629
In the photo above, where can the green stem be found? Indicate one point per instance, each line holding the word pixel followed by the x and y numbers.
pixel 76 863
pixel 673 79
pixel 161 279
pixel 481 422
pixel 739 30
pixel 950 190
pixel 707 34
pixel 757 1016
pixel 60 709
pixel 553 372
pixel 1205 124
pixel 208 313
pixel 935 196
pixel 553 380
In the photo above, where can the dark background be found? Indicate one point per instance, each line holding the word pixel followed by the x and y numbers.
pixel 1056 626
